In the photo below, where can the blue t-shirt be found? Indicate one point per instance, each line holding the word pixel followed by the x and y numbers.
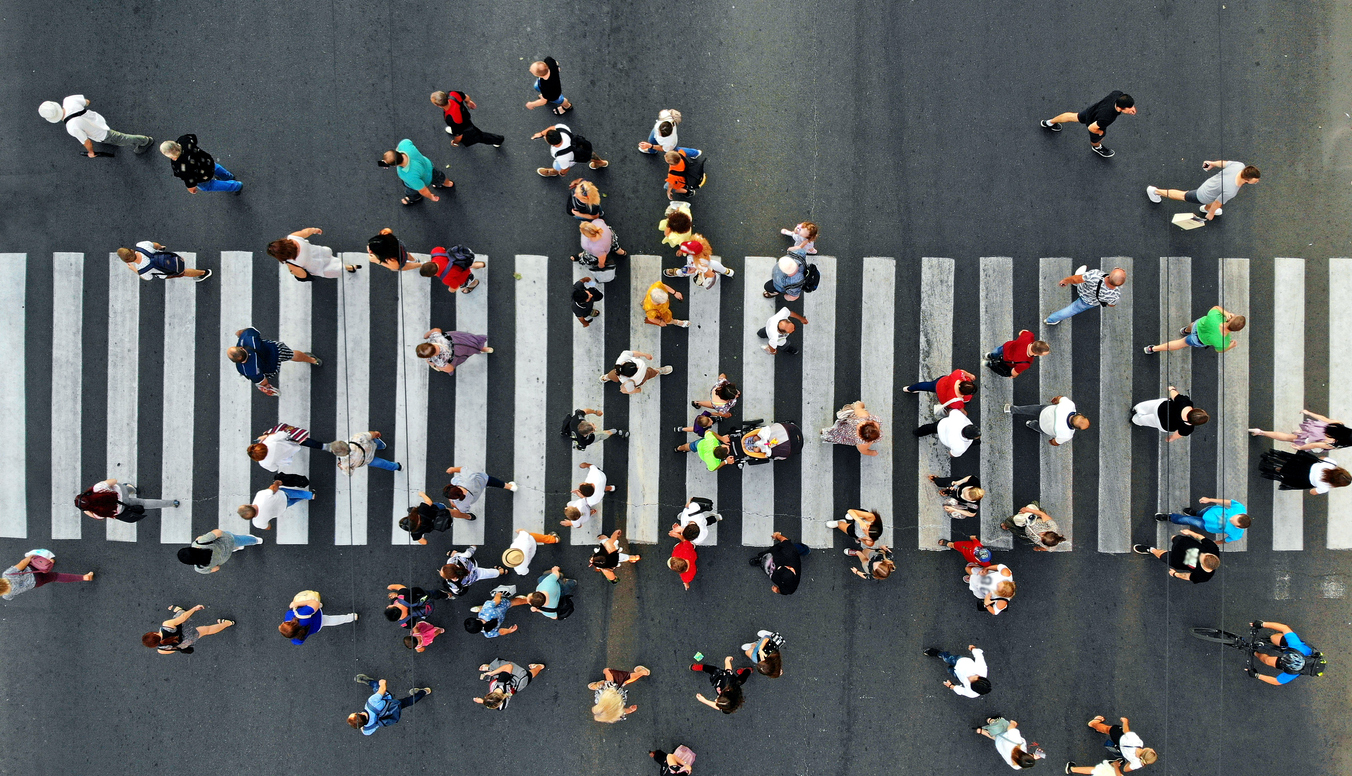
pixel 1216 518
pixel 382 710
pixel 263 355
pixel 1294 642
pixel 418 173
pixel 491 611
pixel 310 617
pixel 549 585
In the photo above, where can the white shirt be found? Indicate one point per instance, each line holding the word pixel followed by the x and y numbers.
pixel 597 478
pixel 981 584
pixel 142 260
pixel 1054 420
pixel 667 143
pixel 270 506
pixel 583 508
pixel 630 383
pixel 1316 474
pixel 90 126
pixel 280 451
pixel 1127 745
pixel 527 544
pixel 967 667
pixel 950 433
pixel 1005 743
pixel 686 518
pixel 565 158
pixel 777 337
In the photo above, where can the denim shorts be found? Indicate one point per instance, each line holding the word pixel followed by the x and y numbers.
pixel 1192 339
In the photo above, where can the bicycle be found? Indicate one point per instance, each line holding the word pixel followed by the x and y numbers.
pixel 1253 644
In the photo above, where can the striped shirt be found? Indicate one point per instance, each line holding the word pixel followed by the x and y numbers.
pixel 1095 289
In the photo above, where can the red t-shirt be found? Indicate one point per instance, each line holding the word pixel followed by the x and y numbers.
pixel 1016 350
pixel 686 550
pixel 947 387
pixel 456 277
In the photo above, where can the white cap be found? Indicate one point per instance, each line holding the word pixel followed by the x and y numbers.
pixel 659 296
pixel 788 265
pixel 51 111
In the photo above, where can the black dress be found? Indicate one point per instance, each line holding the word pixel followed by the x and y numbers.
pixel 1291 470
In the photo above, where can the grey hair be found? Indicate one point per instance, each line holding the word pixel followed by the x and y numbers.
pixel 339 448
pixel 171 149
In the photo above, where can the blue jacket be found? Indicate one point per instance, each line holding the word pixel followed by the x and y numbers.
pixel 263 356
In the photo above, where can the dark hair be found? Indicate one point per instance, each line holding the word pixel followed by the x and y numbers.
pixel 292 629
pixel 537 599
pixel 586 489
pixel 1197 416
pixel 357 720
pixel 393 613
pixel 664 129
pixel 384 246
pixel 1250 173
pixel 870 431
pixel 875 528
pixel 981 685
pixel 194 556
pixel 678 565
pixel 731 699
pixel 1338 477
pixel 1340 434
pixel 453 571
pixel 453 492
pixel 411 522
pixel 728 391
pixel 1052 542
pixel 1236 323
pixel 966 387
pixel 1124 101
pixel 704 421
pixel 1023 759
pixel 475 625
pixel 627 369
pixel 552 136
pixel 282 250
pixel 970 432
pixel 410 641
pixel 151 640
pixel 772 665
pixel 428 269
pixel 722 451
pixel 680 222
pixel 1243 521
pixel 690 532
pixel 598 554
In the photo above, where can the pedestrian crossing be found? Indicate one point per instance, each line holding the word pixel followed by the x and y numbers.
pixel 358 504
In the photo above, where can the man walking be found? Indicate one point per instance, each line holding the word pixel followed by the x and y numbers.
pixel 968 672
pixel 1096 119
pixel 549 87
pixel 1216 191
pixel 777 330
pixel 416 171
pixel 782 563
pixel 260 359
pixel 1057 419
pixel 954 429
pixel 584 298
pixel 89 127
pixel 210 551
pixel 382 710
pixel 582 432
pixel 466 488
pixel 589 494
pixel 1212 330
pixel 270 502
pixel 566 148
pixel 1226 516
pixel 1015 356
pixel 361 451
pixel 1094 287
pixel 788 277
pixel 455 107
pixel 150 260
pixel 1191 556
pixel 198 169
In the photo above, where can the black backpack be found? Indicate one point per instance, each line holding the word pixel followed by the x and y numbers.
pixel 563 610
pixel 581 148
pixel 461 257
pixel 812 278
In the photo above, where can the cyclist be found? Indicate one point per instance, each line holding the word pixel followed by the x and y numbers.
pixel 1290 660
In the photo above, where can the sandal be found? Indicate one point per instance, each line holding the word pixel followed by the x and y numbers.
pixel 406 201
pixel 470 287
pixel 352 267
pixel 765 294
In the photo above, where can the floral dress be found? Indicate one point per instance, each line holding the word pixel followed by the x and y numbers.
pixel 846 429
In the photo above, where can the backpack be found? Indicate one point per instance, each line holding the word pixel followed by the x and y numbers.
pixel 164 262
pixel 563 610
pixel 581 148
pixel 693 174
pixel 460 256
pixel 812 277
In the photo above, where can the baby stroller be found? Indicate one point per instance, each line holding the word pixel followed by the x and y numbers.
pixel 754 444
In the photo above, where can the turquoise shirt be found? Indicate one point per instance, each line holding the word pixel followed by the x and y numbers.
pixel 1216 518
pixel 418 174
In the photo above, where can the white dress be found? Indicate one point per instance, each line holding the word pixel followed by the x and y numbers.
pixel 315 259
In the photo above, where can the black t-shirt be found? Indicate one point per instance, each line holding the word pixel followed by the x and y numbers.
pixel 551 88
pixel 582 299
pixel 1183 543
pixel 431 519
pixel 1104 112
pixel 722 678
pixel 570 430
pixel 1171 415
pixel 605 559
pixel 788 565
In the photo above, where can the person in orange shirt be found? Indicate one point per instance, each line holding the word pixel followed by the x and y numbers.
pixel 657 305
pixel 679 172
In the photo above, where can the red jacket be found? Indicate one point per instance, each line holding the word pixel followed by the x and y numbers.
pixel 947 388
pixel 684 549
pixel 1016 352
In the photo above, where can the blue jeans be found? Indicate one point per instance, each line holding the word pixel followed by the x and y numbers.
pixel 247 540
pixel 566 587
pixel 223 181
pixel 1074 308
pixel 554 104
pixel 1189 521
pixel 295 495
pixel 950 660
pixel 1192 338
pixel 928 386
pixel 381 463
pixel 998 353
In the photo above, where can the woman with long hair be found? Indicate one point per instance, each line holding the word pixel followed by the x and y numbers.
pixel 609 694
pixel 34 571
pixel 865 527
pixel 727 684
pixel 1300 470
pixel 856 426
pixel 174 635
pixel 1315 432
pixel 304 260
pixel 765 653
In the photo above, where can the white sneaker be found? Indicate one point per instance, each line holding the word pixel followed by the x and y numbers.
pixel 1154 194
pixel 764 634
pixel 1083 268
pixel 450 131
pixel 1202 209
pixel 664 370
pixel 683 324
pixel 510 486
pixel 832 523
pixel 747 647
pixel 729 272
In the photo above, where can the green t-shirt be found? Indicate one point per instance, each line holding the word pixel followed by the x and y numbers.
pixel 1209 330
pixel 705 450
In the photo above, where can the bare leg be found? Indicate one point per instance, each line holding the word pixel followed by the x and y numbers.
pixel 1278 435
pixel 302 356
pixel 1066 118
pixel 208 630
pixel 1177 344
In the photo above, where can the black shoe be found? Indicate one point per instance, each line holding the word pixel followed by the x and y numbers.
pixel 1069 764
pixel 398 466
pixel 1161 517
pixel 200 278
pixel 239 190
pixel 755 560
pixel 1185 331
pixel 679 429
pixel 1141 549
pixel 1045 124
pixel 1103 151
pixel 1190 511
pixel 473 517
pixel 931 652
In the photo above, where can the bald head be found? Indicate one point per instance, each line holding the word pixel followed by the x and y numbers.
pixel 1118 277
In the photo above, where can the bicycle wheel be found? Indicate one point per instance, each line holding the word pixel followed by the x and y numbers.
pixel 1215 635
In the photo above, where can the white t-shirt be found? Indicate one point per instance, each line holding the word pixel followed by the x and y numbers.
pixel 1005 744
pixel 966 667
pixel 527 544
pixel 981 584
pixel 1317 471
pixel 315 259
pixel 950 433
pixel 280 451
pixel 667 143
pixel 566 157
pixel 777 337
pixel 583 508
pixel 90 126
pixel 630 383
pixel 685 516
pixel 1054 420
pixel 1128 746
pixel 597 479
pixel 142 260
pixel 270 506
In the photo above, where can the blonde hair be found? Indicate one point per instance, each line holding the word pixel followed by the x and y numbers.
pixel 5 587
pixel 588 228
pixel 609 705
pixel 884 569
pixel 171 149
pixel 126 254
pixel 1005 589
pixel 976 493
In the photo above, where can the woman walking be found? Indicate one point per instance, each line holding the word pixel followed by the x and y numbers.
pixel 1036 526
pixel 961 497
pixel 491 615
pixel 306 616
pixel 765 652
pixel 422 636
pixel 1303 469
pixel 176 636
pixel 445 352
pixel 34 571
pixel 607 557
pixel 678 763
pixel 876 562
pixel 609 694
pixel 505 680
pixel 1315 432
pixel 700 264
pixel 600 249
pixel 1009 742
pixel 211 550
pixel 428 517
pixel 386 250
pixel 657 306
pixel 1131 752
pixel 865 527
pixel 304 260
pixel 855 425
pixel 727 685
pixel 117 500
pixel 632 371
pixel 1172 414
pixel 722 398
pixel 584 200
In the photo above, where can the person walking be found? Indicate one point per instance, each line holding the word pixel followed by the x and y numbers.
pixel 198 169
pixel 954 390
pixel 1215 191
pixel 1096 118
pixel 492 614
pixel 700 263
pixel 678 763
pixel 723 396
pixel 260 360
pixel 360 450
pixel 275 448
pixel 584 297
pixel 610 696
pixel 677 226
pixel 582 432
pixel 856 426
pixel 955 430
pixel 211 550
pixel 548 87
pixel 685 173
pixel 34 571
pixel 993 585
pixel 584 200
pixel 727 683
pixel 663 138
pixel 683 561
pixel 566 147
pixel 1191 556
pixel 782 563
pixel 89 127
pixel 422 634
pixel 876 561
pixel 270 502
pixel 455 108
pixel 777 330
pixel 657 306
pixel 863 526
pixel 1015 356
pixel 1093 288
pixel 305 260
pixel 1035 526
pixel 151 260
pixel 382 710
pixel 521 552
pixel 1009 742
pixel 1315 432
pixel 1227 517
pixel 175 636
pixel 427 518
pixel 787 278
pixel 553 595
pixel 444 352
pixel 505 680
pixel 466 488
pixel 713 448
pixel 116 500
pixel 416 172
pixel 1126 746
pixel 305 617
pixel 1174 415
pixel 1058 419
pixel 968 672
pixel 804 238
pixel 600 249
pixel 454 268
pixel 1299 470
pixel 410 606
pixel 767 653
pixel 389 252
pixel 589 494
pixel 972 550
pixel 632 371
pixel 607 557
pixel 962 498
pixel 460 571
pixel 1212 330
pixel 693 522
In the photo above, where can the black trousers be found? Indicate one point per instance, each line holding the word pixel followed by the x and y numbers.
pixel 927 429
pixel 292 480
pixel 473 136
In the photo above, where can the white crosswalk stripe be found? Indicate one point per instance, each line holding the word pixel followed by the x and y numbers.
pixel 1288 390
pixel 589 363
pixel 410 400
pixel 180 405
pixel 124 356
pixel 1232 409
pixel 352 408
pixel 643 508
pixel 1175 465
pixel 1116 353
pixel 293 401
pixel 936 360
pixel 471 398
pixel 702 372
pixel 13 459
pixel 757 402
pixel 1056 463
pixel 67 394
pixel 877 351
pixel 235 427
pixel 818 358
pixel 1340 393
pixel 531 364
pixel 997 428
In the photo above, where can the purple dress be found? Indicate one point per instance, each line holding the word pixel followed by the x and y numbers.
pixel 1311 431
pixel 455 347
